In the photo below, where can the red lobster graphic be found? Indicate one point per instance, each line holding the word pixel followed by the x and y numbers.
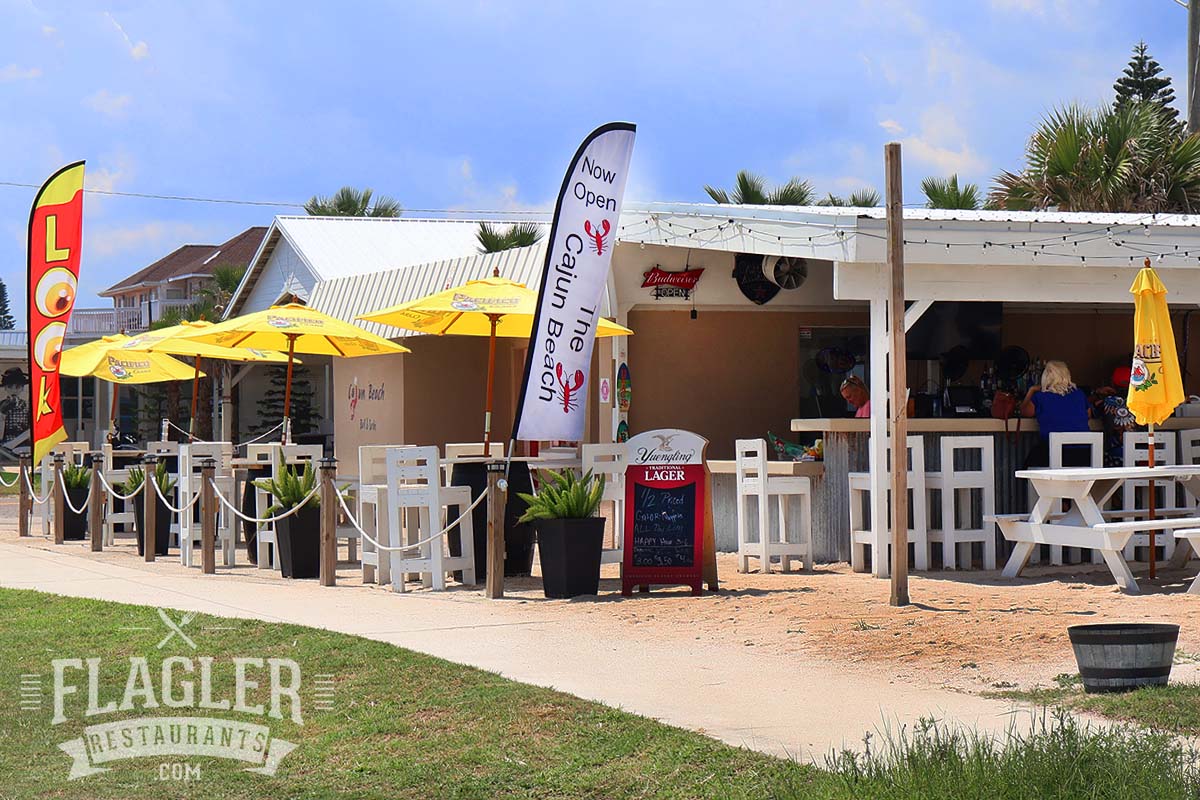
pixel 599 236
pixel 568 389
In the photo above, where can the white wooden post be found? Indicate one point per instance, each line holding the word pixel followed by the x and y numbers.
pixel 880 483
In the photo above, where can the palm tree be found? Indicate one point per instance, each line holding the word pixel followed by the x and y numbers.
pixel 492 239
pixel 859 198
pixel 1126 159
pixel 225 280
pixel 751 190
pixel 946 193
pixel 350 202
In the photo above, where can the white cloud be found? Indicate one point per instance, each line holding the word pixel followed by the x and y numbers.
pixel 109 241
pixel 14 73
pixel 49 30
pixel 107 103
pixel 1035 7
pixel 137 50
pixel 891 126
pixel 942 144
pixel 465 169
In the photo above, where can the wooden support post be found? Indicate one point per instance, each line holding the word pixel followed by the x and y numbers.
pixel 149 510
pixel 329 509
pixel 208 517
pixel 25 502
pixel 497 490
pixel 60 499
pixel 899 374
pixel 96 504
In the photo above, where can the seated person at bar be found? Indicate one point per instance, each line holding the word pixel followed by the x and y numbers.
pixel 1109 407
pixel 1060 407
pixel 854 392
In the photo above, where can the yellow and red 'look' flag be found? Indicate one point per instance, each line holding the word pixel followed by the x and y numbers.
pixel 55 236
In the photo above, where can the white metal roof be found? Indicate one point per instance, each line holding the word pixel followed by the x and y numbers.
pixel 348 296
pixel 335 247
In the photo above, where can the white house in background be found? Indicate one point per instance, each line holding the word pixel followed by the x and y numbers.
pixel 300 253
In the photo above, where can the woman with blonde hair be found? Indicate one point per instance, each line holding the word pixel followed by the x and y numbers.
pixel 1060 407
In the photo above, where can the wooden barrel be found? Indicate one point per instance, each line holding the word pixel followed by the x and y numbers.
pixel 1120 657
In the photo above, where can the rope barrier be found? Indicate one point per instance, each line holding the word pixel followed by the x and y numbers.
pixel 86 501
pixel 8 485
pixel 180 511
pixel 268 520
pixel 32 494
pixel 117 494
pixel 414 545
pixel 191 438
pixel 262 436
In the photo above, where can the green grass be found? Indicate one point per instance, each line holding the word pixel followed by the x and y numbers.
pixel 1174 708
pixel 15 489
pixel 406 725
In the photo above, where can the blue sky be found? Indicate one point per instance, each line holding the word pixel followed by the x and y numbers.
pixel 479 104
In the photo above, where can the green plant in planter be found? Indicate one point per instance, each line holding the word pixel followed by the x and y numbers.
pixel 291 487
pixel 76 477
pixel 564 496
pixel 163 478
pixel 131 484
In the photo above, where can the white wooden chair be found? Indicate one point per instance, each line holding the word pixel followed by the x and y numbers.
pixel 1095 444
pixel 124 517
pixel 372 510
pixel 291 455
pixel 1136 494
pixel 968 493
pixel 160 450
pixel 417 509
pixel 73 453
pixel 610 460
pixel 754 482
pixel 861 535
pixel 1189 453
pixel 191 458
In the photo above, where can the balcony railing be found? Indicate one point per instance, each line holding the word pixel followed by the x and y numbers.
pixel 95 322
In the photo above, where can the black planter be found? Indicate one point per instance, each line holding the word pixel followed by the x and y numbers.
pixel 518 537
pixel 162 524
pixel 570 555
pixel 299 540
pixel 1121 657
pixel 75 525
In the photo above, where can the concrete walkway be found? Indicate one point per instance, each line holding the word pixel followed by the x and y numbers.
pixel 741 695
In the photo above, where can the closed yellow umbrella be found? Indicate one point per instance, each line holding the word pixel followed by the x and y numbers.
pixel 492 307
pixel 109 360
pixel 296 329
pixel 1155 382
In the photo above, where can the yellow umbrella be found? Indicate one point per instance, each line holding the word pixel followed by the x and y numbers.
pixel 1155 382
pixel 489 307
pixel 109 360
pixel 171 340
pixel 296 329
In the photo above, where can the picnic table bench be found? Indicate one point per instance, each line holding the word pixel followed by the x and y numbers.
pixel 1068 513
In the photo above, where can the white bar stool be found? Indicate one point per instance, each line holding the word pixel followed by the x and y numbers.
pixel 291 455
pixel 753 481
pixel 191 457
pixel 371 508
pixel 977 487
pixel 610 461
pixel 1136 494
pixel 861 535
pixel 73 453
pixel 112 518
pixel 1095 444
pixel 418 507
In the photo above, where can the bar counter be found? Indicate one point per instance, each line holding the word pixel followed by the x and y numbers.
pixel 846 451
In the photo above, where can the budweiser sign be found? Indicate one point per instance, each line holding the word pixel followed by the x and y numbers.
pixel 680 280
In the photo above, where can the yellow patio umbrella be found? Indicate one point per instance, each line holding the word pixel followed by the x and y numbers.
pixel 296 329
pixel 172 341
pixel 489 307
pixel 1155 382
pixel 109 360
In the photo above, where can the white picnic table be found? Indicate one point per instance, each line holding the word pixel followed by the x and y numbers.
pixel 1082 523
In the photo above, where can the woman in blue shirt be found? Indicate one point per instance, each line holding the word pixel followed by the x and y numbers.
pixel 1060 407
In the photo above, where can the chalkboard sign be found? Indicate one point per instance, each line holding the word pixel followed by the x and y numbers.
pixel 664 510
pixel 664 522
